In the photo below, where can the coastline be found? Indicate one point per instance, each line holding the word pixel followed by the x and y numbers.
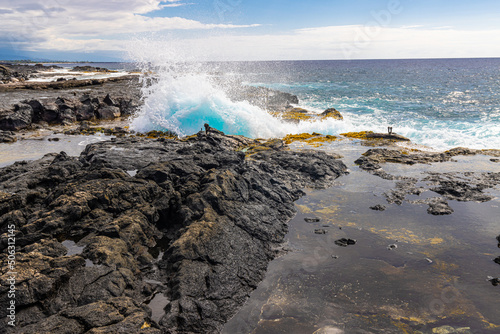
pixel 180 227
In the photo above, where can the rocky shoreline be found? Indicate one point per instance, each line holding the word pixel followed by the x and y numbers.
pixel 149 233
pixel 220 216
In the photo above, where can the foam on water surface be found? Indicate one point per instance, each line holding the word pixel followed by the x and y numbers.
pixel 181 96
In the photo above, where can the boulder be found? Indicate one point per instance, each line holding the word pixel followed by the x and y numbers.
pixel 332 113
pixel 17 118
pixel 108 112
pixel 7 137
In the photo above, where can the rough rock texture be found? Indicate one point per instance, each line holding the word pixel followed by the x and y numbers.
pixel 7 137
pixel 373 157
pixel 332 113
pixel 70 108
pixel 17 73
pixel 219 217
pixel 466 186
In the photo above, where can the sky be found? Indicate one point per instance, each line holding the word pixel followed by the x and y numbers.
pixel 115 30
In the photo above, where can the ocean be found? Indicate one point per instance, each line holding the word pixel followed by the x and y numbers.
pixel 438 103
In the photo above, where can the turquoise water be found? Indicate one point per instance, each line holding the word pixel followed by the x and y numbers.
pixel 439 103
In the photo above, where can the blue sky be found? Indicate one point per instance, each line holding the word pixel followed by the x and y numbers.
pixel 101 30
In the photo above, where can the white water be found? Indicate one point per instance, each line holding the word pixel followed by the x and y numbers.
pixel 182 98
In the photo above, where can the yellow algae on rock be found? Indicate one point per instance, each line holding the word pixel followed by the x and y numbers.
pixel 288 139
pixel 298 110
pixel 436 241
pixel 303 208
pixel 314 139
pixel 357 135
pixel 291 115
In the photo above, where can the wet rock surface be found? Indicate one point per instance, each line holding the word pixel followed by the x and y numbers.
pixel 116 100
pixel 457 186
pixel 219 217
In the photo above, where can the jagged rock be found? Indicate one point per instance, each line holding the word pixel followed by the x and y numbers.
pixel 7 137
pixel 344 242
pixel 439 207
pixel 17 118
pixel 378 207
pixel 265 98
pixel 108 112
pixel 463 186
pixel 221 215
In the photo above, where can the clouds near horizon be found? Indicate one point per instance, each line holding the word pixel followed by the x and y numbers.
pixel 98 26
pixel 81 25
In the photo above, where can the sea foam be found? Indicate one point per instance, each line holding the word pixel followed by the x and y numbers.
pixel 180 95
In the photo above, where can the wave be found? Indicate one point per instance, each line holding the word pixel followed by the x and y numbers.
pixel 181 96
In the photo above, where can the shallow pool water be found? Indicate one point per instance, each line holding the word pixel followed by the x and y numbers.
pixel 409 271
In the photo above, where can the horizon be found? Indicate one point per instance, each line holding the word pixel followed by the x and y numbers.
pixel 238 61
pixel 238 30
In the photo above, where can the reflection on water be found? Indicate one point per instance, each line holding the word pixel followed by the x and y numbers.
pixel 409 271
pixel 36 147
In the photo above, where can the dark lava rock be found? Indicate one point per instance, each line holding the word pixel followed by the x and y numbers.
pixel 495 281
pixel 439 207
pixel 332 113
pixel 345 242
pixel 219 216
pixel 389 136
pixel 464 187
pixel 7 137
pixel 384 155
pixel 378 207
pixel 495 160
pixel 90 69
pixel 320 231
pixel 312 220
pixel 65 110
pixel 263 97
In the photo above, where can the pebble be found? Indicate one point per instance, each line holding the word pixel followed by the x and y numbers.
pixel 494 280
pixel 345 242
pixel 320 231
pixel 392 246
pixel 428 260
pixel 378 207
pixel 312 220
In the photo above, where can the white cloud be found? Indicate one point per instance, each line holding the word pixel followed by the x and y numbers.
pixel 345 42
pixel 79 26
pixel 68 24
